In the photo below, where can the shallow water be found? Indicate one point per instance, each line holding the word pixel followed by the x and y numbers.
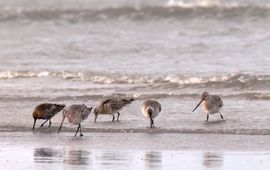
pixel 132 151
pixel 172 51
pixel 68 158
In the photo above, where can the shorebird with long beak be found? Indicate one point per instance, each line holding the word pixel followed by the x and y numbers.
pixel 75 115
pixel 211 104
pixel 111 106
pixel 151 109
pixel 46 111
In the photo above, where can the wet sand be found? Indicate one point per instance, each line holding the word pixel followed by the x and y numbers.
pixel 43 150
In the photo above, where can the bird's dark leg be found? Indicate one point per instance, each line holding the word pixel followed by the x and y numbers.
pixel 118 114
pixel 151 123
pixel 113 118
pixel 151 120
pixel 207 117
pixel 221 115
pixel 95 120
pixel 81 131
pixel 43 123
pixel 34 123
pixel 50 122
pixel 77 130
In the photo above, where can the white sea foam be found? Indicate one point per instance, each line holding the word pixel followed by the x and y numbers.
pixel 235 80
pixel 202 4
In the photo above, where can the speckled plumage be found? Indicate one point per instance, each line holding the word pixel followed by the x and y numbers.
pixel 46 111
pixel 151 109
pixel 111 106
pixel 211 104
pixel 75 115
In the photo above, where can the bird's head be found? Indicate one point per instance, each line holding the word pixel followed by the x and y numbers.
pixel 97 110
pixel 205 94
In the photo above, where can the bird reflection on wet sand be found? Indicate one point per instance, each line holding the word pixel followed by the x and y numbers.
pixel 77 157
pixel 152 159
pixel 47 155
pixel 71 157
pixel 212 160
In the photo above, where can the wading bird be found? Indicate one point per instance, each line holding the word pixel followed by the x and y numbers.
pixel 75 115
pixel 111 106
pixel 46 111
pixel 211 104
pixel 151 109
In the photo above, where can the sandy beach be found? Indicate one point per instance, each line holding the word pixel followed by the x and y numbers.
pixel 179 141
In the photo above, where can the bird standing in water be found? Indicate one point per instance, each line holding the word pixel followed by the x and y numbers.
pixel 151 109
pixel 75 115
pixel 46 111
pixel 111 106
pixel 211 104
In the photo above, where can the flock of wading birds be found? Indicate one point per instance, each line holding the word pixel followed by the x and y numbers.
pixel 150 109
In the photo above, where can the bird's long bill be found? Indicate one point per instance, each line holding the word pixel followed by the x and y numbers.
pixel 197 105
pixel 61 124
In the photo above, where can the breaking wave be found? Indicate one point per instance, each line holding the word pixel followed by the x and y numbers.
pixel 236 80
pixel 244 95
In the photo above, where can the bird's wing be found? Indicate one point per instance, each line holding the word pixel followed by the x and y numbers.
pixel 115 104
pixel 219 101
pixel 107 101
pixel 152 103
pixel 50 109
pixel 84 114
pixel 159 107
